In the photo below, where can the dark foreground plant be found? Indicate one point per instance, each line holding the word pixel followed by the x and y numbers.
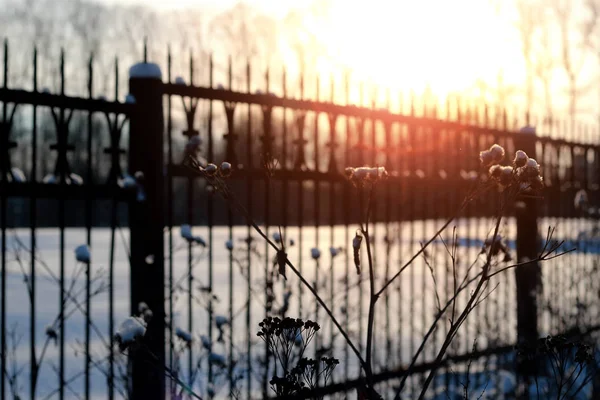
pixel 288 339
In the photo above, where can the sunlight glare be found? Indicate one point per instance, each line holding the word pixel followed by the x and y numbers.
pixel 409 45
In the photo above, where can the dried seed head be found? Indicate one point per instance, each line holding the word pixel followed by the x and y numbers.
pixel 497 152
pixel 361 175
pixel 495 171
pixel 183 335
pixel 281 261
pixel 210 169
pixel 486 158
pixel 506 175
pixel 521 158
pixel 532 163
pixel 315 253
pixel 356 242
pixel 142 306
pixel 225 169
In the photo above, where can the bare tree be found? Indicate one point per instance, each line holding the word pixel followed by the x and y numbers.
pixel 245 34
pixel 572 54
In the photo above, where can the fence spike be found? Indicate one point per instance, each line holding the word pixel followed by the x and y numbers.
pixel 169 63
pixel 229 73
pixel 284 82
pixel 90 75
pixel 267 79
pixel 5 68
pixel 35 68
pixel 116 78
pixel 62 71
pixel 191 68
pixel 248 81
pixel 145 50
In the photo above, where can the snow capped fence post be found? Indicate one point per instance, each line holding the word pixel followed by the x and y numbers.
pixel 528 276
pixel 146 223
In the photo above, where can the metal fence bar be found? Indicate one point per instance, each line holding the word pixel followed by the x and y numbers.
pixel 249 244
pixel 146 224
pixel 33 244
pixel 4 177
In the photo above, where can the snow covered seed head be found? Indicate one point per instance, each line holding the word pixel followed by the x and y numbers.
pixel 221 320
pixel 495 171
pixel 225 169
pixel 362 175
pixel 127 182
pixel 532 164
pixel 139 176
pixel 530 175
pixel 147 315
pixel 142 307
pixel 520 159
pixel 506 175
pixel 217 359
pixel 315 253
pixel 335 251
pixel 277 237
pixel 186 232
pixel 183 335
pixel 82 254
pixel 16 175
pixel 51 332
pixel 130 99
pixel 493 155
pixel 205 342
pixel 129 332
pixel 581 200
pixel 193 145
pixel 210 169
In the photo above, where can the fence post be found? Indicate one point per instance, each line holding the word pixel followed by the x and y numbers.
pixel 529 276
pixel 146 223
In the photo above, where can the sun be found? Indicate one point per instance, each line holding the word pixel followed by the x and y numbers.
pixel 412 45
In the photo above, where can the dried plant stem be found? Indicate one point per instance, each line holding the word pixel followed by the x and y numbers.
pixel 426 244
pixel 466 311
pixel 310 288
pixel 372 297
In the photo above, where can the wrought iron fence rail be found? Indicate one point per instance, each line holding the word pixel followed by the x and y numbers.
pixel 24 97
pixel 480 124
pixel 41 190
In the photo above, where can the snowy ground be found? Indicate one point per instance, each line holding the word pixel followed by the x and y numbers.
pixel 411 300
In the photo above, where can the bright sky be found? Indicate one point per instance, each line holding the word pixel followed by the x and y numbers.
pixel 405 44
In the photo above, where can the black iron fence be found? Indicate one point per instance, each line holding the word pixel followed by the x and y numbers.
pixel 215 280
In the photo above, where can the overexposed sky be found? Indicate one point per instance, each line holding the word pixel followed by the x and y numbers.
pixel 274 7
pixel 411 44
